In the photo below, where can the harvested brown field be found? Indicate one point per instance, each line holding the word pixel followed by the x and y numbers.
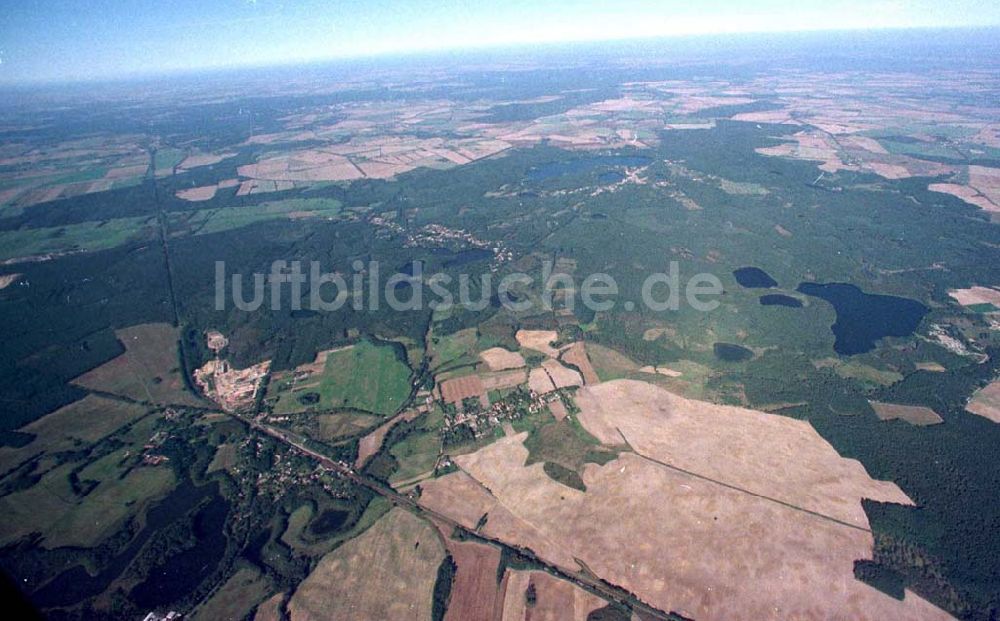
pixel 558 409
pixel 465 498
pixel 310 165
pixel 930 366
pixel 388 572
pixel 149 370
pixel 656 531
pixel 976 295
pixel 459 388
pixel 554 599
pixel 986 402
pixel 371 443
pixel 504 379
pixel 538 340
pixel 270 609
pixel 204 159
pixel 474 592
pixel 540 382
pixel 759 448
pixel 202 193
pixel 765 488
pixel 562 377
pixel 913 414
pixel 987 181
pixel 968 194
pixel 500 359
pixel 576 355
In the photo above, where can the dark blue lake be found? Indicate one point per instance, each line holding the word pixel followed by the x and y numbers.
pixel 864 318
pixel 730 352
pixel 754 278
pixel 777 299
pixel 587 164
pixel 76 584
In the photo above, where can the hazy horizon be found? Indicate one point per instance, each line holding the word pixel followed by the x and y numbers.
pixel 75 41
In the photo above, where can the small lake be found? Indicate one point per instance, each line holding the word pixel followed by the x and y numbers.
pixel 586 164
pixel 864 318
pixel 754 278
pixel 330 521
pixel 730 352
pixel 777 299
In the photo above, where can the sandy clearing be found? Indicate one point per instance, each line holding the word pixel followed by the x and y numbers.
pixel 986 402
pixel 474 592
pixel 555 599
pixel 204 159
pixel 500 359
pixel 976 295
pixel 562 376
pixel 203 193
pixel 576 355
pixel 657 532
pixel 540 382
pixel 766 454
pixel 913 414
pixel 780 230
pixel 7 280
pixel 661 370
pixel 386 573
pixel 652 334
pixel 538 340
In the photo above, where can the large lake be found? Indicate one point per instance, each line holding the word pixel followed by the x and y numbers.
pixel 864 318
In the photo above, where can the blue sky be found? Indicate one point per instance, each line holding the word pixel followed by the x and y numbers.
pixel 81 39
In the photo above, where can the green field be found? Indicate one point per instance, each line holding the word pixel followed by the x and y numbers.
pixel 77 424
pixel 364 377
pixel 166 159
pixel 85 237
pixel 205 221
pixel 418 451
